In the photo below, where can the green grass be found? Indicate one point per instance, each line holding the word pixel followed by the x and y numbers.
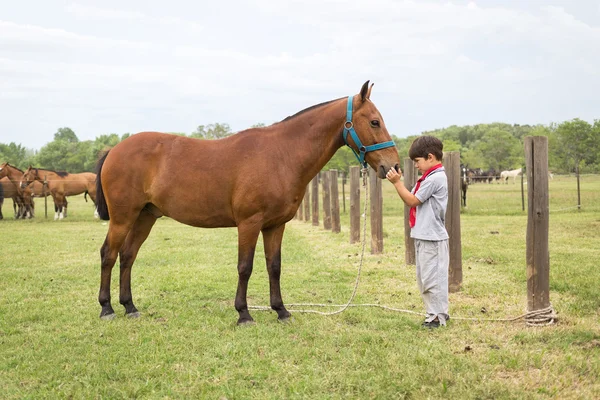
pixel 186 344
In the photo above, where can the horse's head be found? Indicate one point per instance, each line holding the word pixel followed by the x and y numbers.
pixel 29 176
pixel 372 143
pixel 3 170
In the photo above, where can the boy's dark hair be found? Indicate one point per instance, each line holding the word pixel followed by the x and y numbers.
pixel 423 145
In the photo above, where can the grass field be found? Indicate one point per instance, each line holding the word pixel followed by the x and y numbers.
pixel 187 345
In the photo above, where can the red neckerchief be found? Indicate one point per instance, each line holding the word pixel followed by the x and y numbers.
pixel 413 210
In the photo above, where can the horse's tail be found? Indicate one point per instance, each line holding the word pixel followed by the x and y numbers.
pixel 85 195
pixel 100 200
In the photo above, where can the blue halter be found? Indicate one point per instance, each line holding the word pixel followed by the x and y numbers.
pixel 363 150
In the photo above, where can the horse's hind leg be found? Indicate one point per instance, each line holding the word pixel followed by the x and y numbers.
pixel 136 237
pixel 272 240
pixel 117 232
pixel 247 237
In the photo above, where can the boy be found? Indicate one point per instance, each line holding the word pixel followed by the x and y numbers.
pixel 428 201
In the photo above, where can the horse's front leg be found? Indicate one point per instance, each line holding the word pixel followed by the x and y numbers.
pixel 272 238
pixel 63 213
pixel 247 237
pixel 57 203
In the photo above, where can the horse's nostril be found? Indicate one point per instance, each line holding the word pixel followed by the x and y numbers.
pixel 397 168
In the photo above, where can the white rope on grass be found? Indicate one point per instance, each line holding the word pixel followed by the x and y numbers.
pixel 563 209
pixel 546 316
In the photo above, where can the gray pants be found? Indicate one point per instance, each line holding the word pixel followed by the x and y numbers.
pixel 432 259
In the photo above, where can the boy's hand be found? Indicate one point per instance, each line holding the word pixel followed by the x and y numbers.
pixel 393 175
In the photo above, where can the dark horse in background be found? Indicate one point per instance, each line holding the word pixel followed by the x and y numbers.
pixel 465 180
pixel 253 180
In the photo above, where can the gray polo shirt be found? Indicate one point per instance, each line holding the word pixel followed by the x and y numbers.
pixel 431 214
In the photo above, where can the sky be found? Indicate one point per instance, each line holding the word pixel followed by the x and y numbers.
pixel 101 67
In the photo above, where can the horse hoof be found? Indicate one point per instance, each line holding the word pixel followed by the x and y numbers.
pixel 108 317
pixel 246 322
pixel 133 315
pixel 285 320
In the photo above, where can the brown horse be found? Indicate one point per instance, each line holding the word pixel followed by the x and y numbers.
pixel 253 180
pixel 60 185
pixel 15 175
pixel 9 191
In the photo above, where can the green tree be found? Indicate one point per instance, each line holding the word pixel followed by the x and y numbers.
pixel 212 131
pixel 342 160
pixel 451 145
pixel 500 150
pixel 577 143
pixel 67 135
pixel 64 153
pixel 12 153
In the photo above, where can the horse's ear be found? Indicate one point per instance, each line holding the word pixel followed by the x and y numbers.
pixel 369 91
pixel 365 91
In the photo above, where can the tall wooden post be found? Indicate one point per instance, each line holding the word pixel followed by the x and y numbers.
pixel 410 179
pixel 300 212
pixel 344 190
pixel 578 185
pixel 522 189
pixel 452 166
pixel 354 204
pixel 335 201
pixel 376 202
pixel 44 186
pixel 307 204
pixel 315 200
pixel 326 200
pixel 538 259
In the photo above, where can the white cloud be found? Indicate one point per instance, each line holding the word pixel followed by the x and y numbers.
pixel 115 68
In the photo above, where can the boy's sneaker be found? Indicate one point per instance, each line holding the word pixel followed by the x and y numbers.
pixel 431 324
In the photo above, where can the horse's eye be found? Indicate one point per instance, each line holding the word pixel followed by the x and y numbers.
pixel 375 123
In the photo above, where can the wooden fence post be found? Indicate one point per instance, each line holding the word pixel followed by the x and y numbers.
pixel 354 204
pixel 326 200
pixel 410 179
pixel 344 190
pixel 538 259
pixel 376 199
pixel 335 201
pixel 315 200
pixel 45 196
pixel 307 204
pixel 452 166
pixel 523 188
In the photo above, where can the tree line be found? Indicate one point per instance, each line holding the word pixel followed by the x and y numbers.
pixel 574 146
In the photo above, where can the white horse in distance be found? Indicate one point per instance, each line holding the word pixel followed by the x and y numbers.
pixel 504 175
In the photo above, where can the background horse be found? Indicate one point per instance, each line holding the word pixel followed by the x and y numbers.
pixel 253 180
pixel 10 192
pixel 15 175
pixel 504 175
pixel 466 176
pixel 61 185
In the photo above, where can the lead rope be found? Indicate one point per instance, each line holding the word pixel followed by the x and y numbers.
pixel 542 317
pixel 343 307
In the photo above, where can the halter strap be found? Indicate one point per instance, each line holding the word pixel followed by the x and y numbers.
pixel 362 150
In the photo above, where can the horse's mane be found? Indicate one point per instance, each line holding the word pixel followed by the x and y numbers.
pixel 18 169
pixel 59 173
pixel 308 109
